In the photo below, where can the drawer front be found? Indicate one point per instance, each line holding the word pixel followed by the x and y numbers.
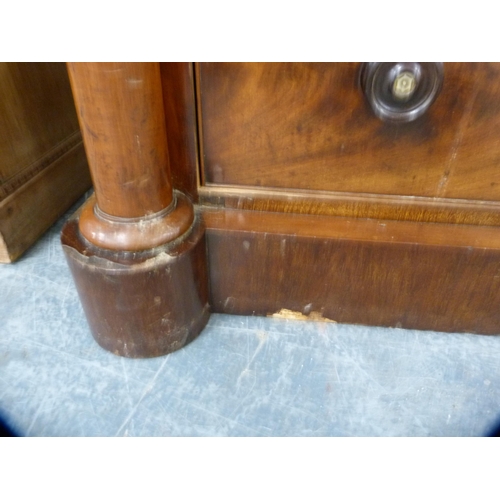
pixel 308 126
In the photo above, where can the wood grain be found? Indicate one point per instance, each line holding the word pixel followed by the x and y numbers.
pixel 37 120
pixel 383 207
pixel 307 126
pixel 120 108
pixel 440 277
pixel 180 118
pixel 136 250
pixel 43 169
pixel 29 211
pixel 141 304
pixel 136 235
pixel 123 122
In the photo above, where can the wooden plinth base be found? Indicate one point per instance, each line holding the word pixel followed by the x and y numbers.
pixel 141 304
pixel 442 277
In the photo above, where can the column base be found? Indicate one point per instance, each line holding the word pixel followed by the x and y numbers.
pixel 141 304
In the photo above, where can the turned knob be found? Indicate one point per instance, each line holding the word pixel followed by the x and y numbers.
pixel 403 91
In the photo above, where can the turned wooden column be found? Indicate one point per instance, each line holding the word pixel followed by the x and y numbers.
pixel 136 249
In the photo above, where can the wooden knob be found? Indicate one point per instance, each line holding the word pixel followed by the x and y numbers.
pixel 401 92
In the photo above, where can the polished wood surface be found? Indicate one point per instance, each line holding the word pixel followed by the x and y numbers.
pixel 395 274
pixel 384 207
pixel 136 250
pixel 141 304
pixel 310 207
pixel 180 118
pixel 38 122
pixel 120 108
pixel 31 209
pixel 307 126
pixel 43 169
pixel 123 123
pixel 140 234
pixel 355 229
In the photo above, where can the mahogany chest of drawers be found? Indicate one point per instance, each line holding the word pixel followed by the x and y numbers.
pixel 360 193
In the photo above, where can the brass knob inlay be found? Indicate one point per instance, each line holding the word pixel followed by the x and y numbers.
pixel 401 92
pixel 404 86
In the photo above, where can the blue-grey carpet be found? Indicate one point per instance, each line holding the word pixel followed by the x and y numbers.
pixel 244 376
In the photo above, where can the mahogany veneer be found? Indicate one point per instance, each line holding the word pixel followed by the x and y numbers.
pixel 308 205
pixel 43 169
pixel 136 249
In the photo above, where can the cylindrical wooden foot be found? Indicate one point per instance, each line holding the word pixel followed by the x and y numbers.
pixel 141 304
pixel 136 249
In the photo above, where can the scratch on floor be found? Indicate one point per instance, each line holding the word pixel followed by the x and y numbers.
pixel 65 294
pixel 125 376
pixel 85 361
pixel 215 414
pixel 304 411
pixel 262 340
pixel 35 416
pixel 147 390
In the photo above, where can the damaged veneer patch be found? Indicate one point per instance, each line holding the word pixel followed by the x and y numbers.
pixel 295 315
